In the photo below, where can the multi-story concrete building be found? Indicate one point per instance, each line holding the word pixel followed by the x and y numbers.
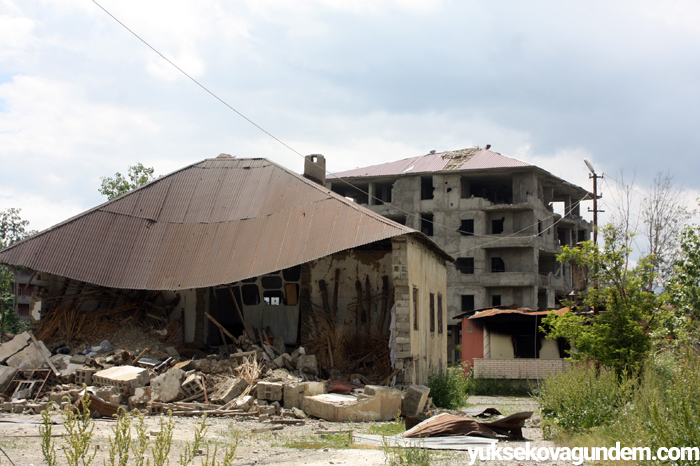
pixel 503 220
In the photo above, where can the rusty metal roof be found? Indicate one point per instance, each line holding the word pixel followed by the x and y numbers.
pixel 473 158
pixel 505 310
pixel 520 311
pixel 215 222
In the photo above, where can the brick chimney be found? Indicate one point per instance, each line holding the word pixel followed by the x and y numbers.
pixel 315 168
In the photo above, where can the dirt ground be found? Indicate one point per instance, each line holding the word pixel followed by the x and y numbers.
pixel 20 440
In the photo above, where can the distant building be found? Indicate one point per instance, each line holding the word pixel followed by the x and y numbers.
pixel 494 214
pixel 22 290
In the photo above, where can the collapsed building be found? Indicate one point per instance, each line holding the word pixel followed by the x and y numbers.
pixel 232 246
pixel 503 220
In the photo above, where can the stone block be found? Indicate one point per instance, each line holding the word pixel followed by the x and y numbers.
pixel 167 387
pixel 78 359
pixel 172 352
pixel 270 391
pixel 414 400
pixel 228 389
pixel 30 357
pixel 14 346
pixel 294 393
pixel 267 409
pixel 244 403
pixel 307 364
pixel 124 378
pixel 141 396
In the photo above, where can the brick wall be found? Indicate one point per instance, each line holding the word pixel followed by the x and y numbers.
pixel 516 368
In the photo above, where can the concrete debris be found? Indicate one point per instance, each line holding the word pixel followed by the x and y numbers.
pixel 245 380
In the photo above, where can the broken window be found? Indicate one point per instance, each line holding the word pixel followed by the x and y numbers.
pixel 496 300
pixel 498 191
pixel 432 312
pixel 465 265
pixel 467 302
pixel 539 228
pixel 497 265
pixel 397 218
pixel 426 224
pixel 292 274
pixel 526 346
pixel 439 311
pixel 426 187
pixel 271 282
pixel 415 308
pixel 273 297
pixel 250 294
pixel 466 228
pixel 497 225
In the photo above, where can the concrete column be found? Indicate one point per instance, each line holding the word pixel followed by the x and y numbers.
pixel 371 191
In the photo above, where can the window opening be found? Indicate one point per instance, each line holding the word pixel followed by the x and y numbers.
pixel 465 265
pixel 466 228
pixel 415 308
pixel 497 265
pixel 426 224
pixel 426 187
pixel 497 225
pixel 250 294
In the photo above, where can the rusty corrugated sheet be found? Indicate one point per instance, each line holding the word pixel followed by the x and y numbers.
pixel 214 222
pixel 464 159
pixel 522 311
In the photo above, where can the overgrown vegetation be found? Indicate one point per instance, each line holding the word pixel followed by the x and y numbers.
pixel 449 388
pixel 658 409
pixel 124 449
pixel 581 399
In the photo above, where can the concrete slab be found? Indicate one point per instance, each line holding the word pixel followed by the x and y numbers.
pixel 17 344
pixel 6 374
pixel 383 404
pixel 414 400
pixel 294 393
pixel 30 357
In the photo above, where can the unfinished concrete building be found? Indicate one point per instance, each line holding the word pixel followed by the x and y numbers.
pixel 503 220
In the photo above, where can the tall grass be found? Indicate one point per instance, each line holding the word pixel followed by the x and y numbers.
pixel 581 399
pixel 660 409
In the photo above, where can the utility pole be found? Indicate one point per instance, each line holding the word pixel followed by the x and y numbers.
pixel 595 210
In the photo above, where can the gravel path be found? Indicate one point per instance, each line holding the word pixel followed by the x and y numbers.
pixel 20 440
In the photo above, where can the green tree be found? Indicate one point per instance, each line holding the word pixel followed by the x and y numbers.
pixel 12 229
pixel 617 333
pixel 118 184
pixel 682 320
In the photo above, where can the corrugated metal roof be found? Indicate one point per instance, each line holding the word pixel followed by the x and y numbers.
pixel 214 222
pixel 521 311
pixel 464 159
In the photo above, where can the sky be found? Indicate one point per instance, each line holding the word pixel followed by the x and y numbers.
pixel 360 81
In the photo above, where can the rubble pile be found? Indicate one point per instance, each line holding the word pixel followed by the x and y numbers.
pixel 261 381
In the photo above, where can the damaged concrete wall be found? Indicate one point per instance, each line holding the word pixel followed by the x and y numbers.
pixel 421 309
pixel 359 275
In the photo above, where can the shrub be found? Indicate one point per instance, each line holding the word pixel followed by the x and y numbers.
pixel 582 398
pixel 449 388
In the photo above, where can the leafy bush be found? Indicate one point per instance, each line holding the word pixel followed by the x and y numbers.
pixel 449 388
pixel 582 398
